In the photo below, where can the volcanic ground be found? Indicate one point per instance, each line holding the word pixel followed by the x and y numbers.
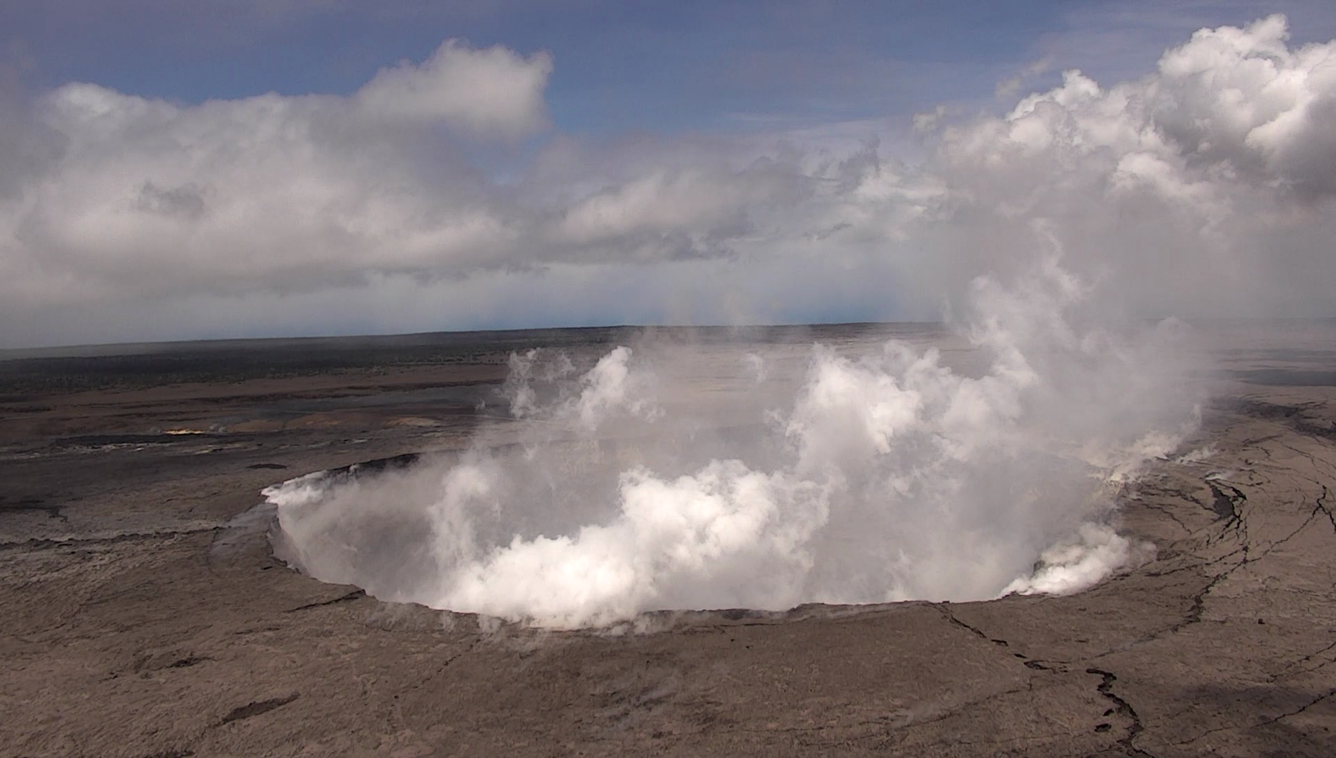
pixel 145 615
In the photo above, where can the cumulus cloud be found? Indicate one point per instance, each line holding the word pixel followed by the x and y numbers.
pixel 1200 189
pixel 1193 187
pixel 136 197
pixel 491 91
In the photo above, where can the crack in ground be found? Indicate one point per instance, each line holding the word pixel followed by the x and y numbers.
pixel 257 707
pixel 1178 570
pixel 1321 505
pixel 1228 506
pixel 1198 608
pixel 892 740
pixel 1266 722
pixel 188 661
pixel 1312 459
pixel 951 617
pixel 1172 492
pixel 1318 507
pixel 1033 664
pixel 349 597
pixel 1122 707
pixel 1165 510
pixel 1285 672
pixel 1193 615
pixel 1257 441
pixel 1310 669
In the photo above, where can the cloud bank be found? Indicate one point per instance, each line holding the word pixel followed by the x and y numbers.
pixel 439 187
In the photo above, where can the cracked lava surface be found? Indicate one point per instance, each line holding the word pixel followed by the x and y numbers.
pixel 137 622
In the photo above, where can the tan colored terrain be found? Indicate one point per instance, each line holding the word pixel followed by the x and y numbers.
pixel 138 622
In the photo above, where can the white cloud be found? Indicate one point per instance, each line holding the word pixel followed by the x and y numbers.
pixel 145 197
pixel 494 91
pixel 1011 87
pixel 1195 189
pixel 1198 189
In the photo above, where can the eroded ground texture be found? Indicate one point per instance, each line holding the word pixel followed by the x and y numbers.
pixel 140 619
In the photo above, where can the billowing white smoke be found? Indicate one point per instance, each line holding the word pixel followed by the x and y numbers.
pixel 879 475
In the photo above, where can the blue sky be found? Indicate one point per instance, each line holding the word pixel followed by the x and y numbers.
pixel 653 66
pixel 226 168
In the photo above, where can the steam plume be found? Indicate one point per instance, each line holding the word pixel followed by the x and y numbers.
pixel 879 473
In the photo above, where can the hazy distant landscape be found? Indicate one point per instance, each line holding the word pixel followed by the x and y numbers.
pixel 151 364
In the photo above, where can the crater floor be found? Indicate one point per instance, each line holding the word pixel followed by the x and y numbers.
pixel 142 617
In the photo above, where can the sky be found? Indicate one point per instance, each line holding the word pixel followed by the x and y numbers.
pixel 230 168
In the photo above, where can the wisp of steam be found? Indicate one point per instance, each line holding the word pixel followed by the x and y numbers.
pixel 673 477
